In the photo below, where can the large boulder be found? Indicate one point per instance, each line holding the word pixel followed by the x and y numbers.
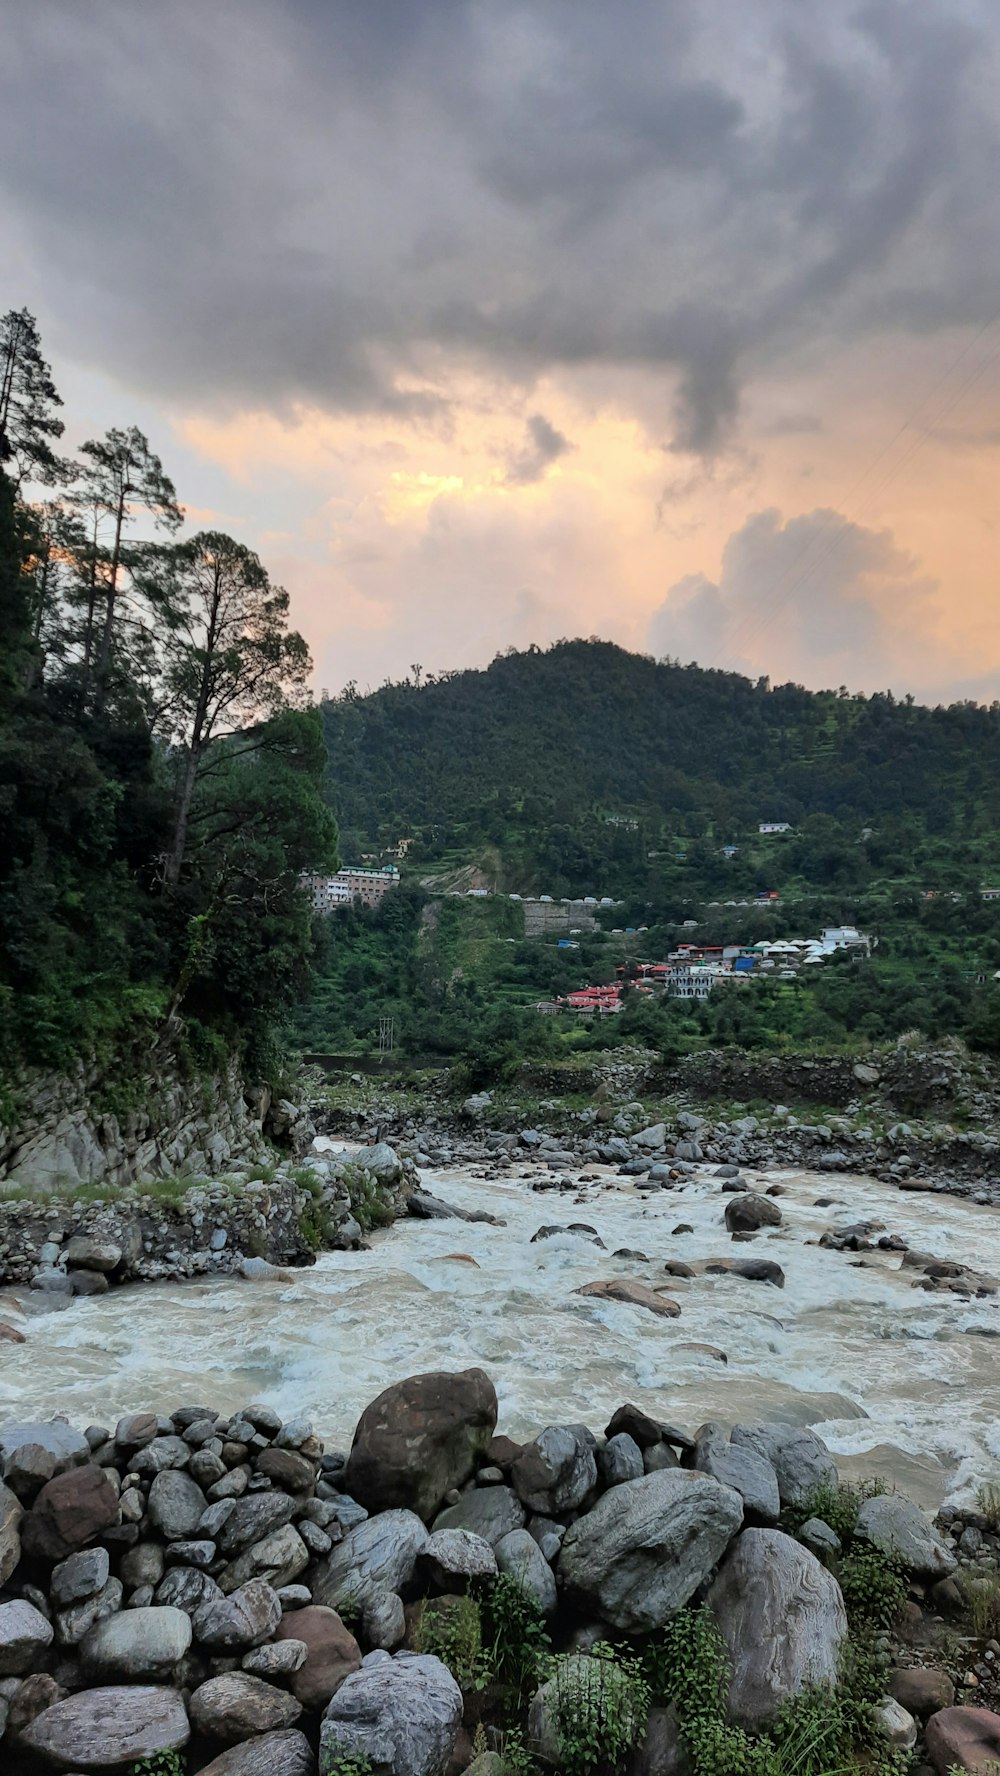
pixel 454 1559
pixel 332 1653
pixel 24 1635
pixel 236 1706
pixel 745 1214
pixel 69 1512
pixel 420 1438
pixel 176 1505
pixel 964 1739
pixel 136 1645
pixel 378 1556
pixel 110 1728
pixel 783 1620
pixel 278 1754
pixel 744 1469
pixel 634 1294
pixel 488 1511
pixel 401 1713
pixel 646 1546
pixel 67 1446
pixel 896 1526
pixel 800 1459
pixel 556 1472
pixel 519 1555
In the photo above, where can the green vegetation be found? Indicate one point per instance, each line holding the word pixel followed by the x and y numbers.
pixel 451 1629
pixel 516 1637
pixel 981 1592
pixel 836 1505
pixel 162 1763
pixel 599 1706
pixel 988 1500
pixel 160 774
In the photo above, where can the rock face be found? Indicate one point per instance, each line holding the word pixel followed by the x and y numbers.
pixel 966 1738
pixel 420 1438
pixel 782 1618
pixel 647 1545
pixel 799 1458
pixel 402 1713
pixel 69 1512
pixel 378 1556
pixel 894 1524
pixel 107 1729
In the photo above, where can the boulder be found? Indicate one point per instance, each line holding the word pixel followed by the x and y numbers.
pixel 556 1472
pixel 136 1646
pixel 896 1526
pixel 745 1214
pixel 744 1469
pixel 332 1653
pixel 800 1459
pixel 85 1253
pixel 276 1659
pixel 489 1511
pixel 246 1619
pixel 783 1621
pixel 76 1621
pixel 619 1460
pixel 419 1439
pixel 661 1750
pixel 24 1635
pixel 384 1621
pixel 69 1512
pixel 634 1294
pixel 633 1422
pixel 237 1706
pixel 109 1728
pixel 455 1558
pixel 68 1447
pixel 176 1505
pixel 895 1725
pixel 379 1555
pixel 646 1546
pixel 279 1559
pixel 383 1162
pixel 277 1754
pixel 251 1519
pixel 402 1713
pixel 964 1739
pixel 921 1689
pixel 752 1270
pixel 11 1512
pixel 80 1575
pixel 520 1555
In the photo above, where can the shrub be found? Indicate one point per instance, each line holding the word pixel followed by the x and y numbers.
pixel 600 1705
pixel 981 1592
pixel 451 1629
pixel 516 1636
pixel 874 1586
pixel 836 1505
pixel 988 1500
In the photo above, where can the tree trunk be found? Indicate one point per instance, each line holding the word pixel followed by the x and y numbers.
pixel 104 658
pixel 175 856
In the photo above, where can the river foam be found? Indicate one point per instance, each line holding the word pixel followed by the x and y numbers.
pixel 899 1381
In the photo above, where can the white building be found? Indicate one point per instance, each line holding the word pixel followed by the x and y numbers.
pixel 369 886
pixel 774 826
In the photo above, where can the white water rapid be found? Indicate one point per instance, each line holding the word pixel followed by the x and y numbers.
pixel 899 1381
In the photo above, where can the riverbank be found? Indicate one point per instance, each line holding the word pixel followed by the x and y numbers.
pixel 224 1587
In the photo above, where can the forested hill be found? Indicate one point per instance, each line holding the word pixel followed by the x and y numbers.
pixel 550 734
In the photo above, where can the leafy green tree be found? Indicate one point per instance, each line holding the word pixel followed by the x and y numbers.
pixel 28 400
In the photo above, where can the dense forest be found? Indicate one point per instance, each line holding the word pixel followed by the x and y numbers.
pixel 161 770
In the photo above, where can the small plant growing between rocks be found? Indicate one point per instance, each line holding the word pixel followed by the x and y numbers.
pixel 601 1706
pixel 874 1586
pixel 516 1636
pixel 162 1763
pixel 835 1505
pixel 988 1500
pixel 981 1592
pixel 451 1629
pixel 346 1763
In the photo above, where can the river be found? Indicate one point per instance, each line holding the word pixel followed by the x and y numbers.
pixel 900 1382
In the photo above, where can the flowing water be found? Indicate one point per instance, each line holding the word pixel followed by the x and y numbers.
pixel 899 1381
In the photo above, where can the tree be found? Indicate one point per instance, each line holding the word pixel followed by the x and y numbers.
pixel 122 478
pixel 28 400
pixel 231 660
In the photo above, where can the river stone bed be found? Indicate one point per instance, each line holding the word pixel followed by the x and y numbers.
pixel 230 1590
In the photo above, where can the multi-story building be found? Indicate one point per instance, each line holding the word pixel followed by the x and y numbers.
pixel 367 886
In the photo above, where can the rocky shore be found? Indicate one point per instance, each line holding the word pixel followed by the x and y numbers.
pixel 225 1596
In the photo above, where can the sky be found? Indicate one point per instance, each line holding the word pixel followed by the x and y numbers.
pixel 671 321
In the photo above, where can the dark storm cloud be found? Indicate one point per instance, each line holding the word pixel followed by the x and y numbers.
pixel 264 201
pixel 545 445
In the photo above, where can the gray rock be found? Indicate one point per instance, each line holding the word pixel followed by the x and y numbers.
pixel 79 1576
pixel 187 1589
pixel 646 1546
pixel 24 1635
pixel 384 1621
pixel 800 1459
pixel 11 1512
pixel 60 1439
pixel 783 1620
pixel 136 1646
pixel 238 1706
pixel 453 1558
pixel 280 1558
pixel 200 1554
pixel 520 1555
pixel 745 1214
pixel 164 1452
pixel 176 1505
pixel 379 1555
pixel 556 1472
pixel 489 1511
pixel 894 1524
pixel 819 1538
pixel 76 1621
pixel 246 1619
pixel 107 1728
pixel 251 1519
pixel 86 1253
pixel 280 1659
pixel 744 1469
pixel 136 1429
pixel 277 1754
pixel 401 1713
pixel 383 1162
pixel 620 1460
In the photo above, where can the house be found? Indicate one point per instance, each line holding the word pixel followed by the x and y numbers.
pixel 774 826
pixel 729 850
pixel 367 886
pixel 990 894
